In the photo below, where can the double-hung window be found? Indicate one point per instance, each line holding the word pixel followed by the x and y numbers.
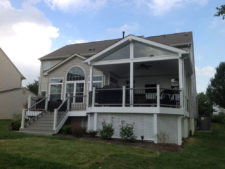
pixel 56 89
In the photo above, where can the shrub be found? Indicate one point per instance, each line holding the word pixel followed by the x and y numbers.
pixel 16 122
pixel 220 118
pixel 78 132
pixel 67 129
pixel 92 133
pixel 107 131
pixel 127 132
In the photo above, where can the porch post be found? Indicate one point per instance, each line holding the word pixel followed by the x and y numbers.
pixel 55 119
pixel 155 121
pixel 158 95
pixel 22 119
pixel 131 73
pixel 91 78
pixel 93 97
pixel 46 102
pixel 180 65
pixel 124 96
pixel 95 121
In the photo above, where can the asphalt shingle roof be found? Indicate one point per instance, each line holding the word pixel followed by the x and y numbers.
pixel 90 48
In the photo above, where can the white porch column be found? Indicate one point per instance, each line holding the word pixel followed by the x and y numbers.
pixel 95 121
pixel 131 73
pixel 89 122
pixel 180 65
pixel 179 130
pixel 155 123
pixel 93 97
pixel 91 78
pixel 23 119
pixel 158 96
pixel 124 96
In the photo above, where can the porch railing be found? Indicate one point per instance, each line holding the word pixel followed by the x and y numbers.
pixel 136 97
pixel 61 114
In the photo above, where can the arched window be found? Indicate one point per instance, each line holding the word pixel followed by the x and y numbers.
pixel 75 73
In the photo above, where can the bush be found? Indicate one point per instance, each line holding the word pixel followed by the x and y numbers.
pixel 79 132
pixel 67 129
pixel 220 118
pixel 92 133
pixel 16 122
pixel 107 131
pixel 127 132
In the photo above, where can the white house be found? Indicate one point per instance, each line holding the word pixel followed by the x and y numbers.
pixel 149 82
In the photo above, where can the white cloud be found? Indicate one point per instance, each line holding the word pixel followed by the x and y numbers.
pixel 207 71
pixel 160 7
pixel 128 28
pixel 77 41
pixel 76 5
pixel 25 36
pixel 204 74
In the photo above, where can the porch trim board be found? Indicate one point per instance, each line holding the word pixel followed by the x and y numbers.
pixel 137 110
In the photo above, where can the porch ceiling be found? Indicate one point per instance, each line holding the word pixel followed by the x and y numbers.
pixel 153 68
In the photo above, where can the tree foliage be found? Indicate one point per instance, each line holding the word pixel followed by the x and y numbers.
pixel 216 88
pixel 221 11
pixel 204 104
pixel 33 87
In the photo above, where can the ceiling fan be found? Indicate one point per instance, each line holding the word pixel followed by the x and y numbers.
pixel 144 66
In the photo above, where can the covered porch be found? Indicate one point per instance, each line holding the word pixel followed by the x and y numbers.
pixel 139 74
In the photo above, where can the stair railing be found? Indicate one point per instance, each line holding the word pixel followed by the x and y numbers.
pixel 29 115
pixel 61 114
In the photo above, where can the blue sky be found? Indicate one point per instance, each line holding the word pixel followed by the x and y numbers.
pixel 32 28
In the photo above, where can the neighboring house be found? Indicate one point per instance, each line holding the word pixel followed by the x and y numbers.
pixel 12 97
pixel 149 82
pixel 218 110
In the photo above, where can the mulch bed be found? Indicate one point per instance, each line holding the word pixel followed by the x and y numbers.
pixel 160 147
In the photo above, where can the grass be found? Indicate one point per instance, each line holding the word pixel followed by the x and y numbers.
pixel 18 150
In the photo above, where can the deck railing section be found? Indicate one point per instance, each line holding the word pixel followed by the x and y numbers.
pixel 60 114
pixel 35 109
pixel 134 97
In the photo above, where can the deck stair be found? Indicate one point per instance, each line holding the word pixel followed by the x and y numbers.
pixel 42 125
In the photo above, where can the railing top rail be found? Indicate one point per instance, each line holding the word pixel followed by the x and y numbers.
pixel 37 103
pixel 62 103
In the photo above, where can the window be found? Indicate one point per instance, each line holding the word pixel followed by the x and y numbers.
pixel 55 89
pixel 122 53
pixel 75 73
pixel 144 50
pixel 97 81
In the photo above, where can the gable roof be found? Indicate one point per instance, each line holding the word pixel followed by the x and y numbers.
pixel 22 77
pixel 138 39
pixel 63 62
pixel 92 48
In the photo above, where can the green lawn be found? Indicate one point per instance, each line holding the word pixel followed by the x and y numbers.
pixel 206 150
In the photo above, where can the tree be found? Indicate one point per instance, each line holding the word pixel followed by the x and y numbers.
pixel 204 104
pixel 216 88
pixel 221 11
pixel 33 87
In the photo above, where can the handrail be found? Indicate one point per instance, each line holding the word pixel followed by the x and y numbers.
pixel 62 104
pixel 37 103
